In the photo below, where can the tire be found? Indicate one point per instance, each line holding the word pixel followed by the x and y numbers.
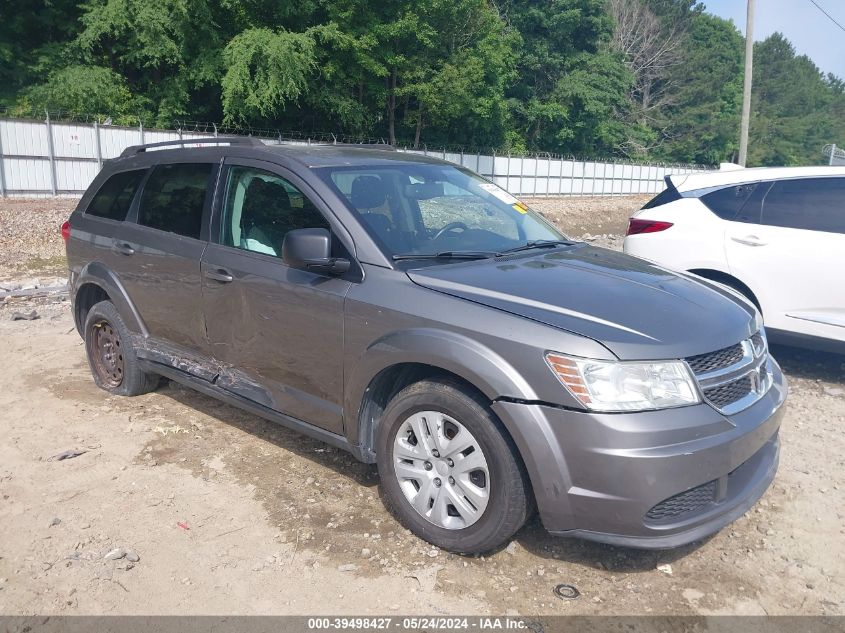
pixel 110 353
pixel 491 502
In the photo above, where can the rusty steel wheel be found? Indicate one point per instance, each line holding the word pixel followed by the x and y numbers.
pixel 106 352
pixel 111 353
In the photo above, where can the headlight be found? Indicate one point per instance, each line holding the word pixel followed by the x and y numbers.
pixel 603 385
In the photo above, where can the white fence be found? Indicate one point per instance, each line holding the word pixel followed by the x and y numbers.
pixel 836 155
pixel 48 159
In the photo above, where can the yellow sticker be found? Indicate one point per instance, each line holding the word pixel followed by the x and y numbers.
pixel 521 207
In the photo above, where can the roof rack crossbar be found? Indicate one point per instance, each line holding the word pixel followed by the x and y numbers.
pixel 211 140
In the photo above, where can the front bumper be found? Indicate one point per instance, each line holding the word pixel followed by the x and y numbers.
pixel 655 479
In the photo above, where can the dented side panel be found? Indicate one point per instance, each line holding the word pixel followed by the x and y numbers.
pixel 283 328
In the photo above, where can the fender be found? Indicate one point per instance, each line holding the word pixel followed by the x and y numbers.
pixel 478 365
pixel 98 274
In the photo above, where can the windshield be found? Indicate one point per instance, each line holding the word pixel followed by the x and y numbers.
pixel 419 209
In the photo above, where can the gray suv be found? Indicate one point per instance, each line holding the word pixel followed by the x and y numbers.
pixel 410 312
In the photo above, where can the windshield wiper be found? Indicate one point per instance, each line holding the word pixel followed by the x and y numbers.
pixel 536 244
pixel 447 255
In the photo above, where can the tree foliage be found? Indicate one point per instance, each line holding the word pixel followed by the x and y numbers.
pixel 656 79
pixel 265 70
pixel 90 89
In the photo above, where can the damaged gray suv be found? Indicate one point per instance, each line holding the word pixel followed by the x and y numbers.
pixel 410 312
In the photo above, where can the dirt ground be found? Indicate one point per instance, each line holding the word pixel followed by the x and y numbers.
pixel 229 514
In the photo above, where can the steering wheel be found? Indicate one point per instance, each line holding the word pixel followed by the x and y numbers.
pixel 450 227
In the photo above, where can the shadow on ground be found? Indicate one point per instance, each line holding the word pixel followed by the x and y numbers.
pixel 533 537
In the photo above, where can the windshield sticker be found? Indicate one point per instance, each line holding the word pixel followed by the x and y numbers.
pixel 521 207
pixel 497 191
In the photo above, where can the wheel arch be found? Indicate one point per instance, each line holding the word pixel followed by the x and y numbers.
pixel 727 279
pixel 97 283
pixel 400 359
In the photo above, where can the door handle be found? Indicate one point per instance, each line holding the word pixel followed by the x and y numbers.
pixel 123 248
pixel 219 275
pixel 749 240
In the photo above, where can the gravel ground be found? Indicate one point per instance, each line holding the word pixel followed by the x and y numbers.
pixel 30 238
pixel 215 502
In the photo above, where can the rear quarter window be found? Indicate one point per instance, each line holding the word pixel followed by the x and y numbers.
pixel 812 204
pixel 670 194
pixel 735 203
pixel 174 198
pixel 115 196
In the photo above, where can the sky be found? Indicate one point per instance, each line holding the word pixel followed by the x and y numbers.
pixel 811 33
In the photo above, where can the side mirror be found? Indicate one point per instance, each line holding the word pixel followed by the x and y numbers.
pixel 310 249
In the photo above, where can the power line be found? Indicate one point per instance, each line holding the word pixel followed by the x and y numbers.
pixel 829 17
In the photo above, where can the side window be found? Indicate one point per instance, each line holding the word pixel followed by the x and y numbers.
pixel 813 204
pixel 174 198
pixel 736 203
pixel 114 198
pixel 261 208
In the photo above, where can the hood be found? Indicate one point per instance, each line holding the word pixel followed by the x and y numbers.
pixel 634 308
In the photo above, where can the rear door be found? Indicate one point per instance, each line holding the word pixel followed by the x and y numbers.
pixel 101 225
pixel 280 329
pixel 160 252
pixel 793 257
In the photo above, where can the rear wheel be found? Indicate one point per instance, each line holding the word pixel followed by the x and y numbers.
pixel 111 357
pixel 449 471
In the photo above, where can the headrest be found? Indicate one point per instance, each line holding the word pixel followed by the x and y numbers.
pixel 263 198
pixel 368 192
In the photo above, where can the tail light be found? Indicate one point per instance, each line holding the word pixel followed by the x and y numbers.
pixel 637 226
pixel 66 231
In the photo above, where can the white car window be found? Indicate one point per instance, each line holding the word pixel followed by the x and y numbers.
pixel 814 204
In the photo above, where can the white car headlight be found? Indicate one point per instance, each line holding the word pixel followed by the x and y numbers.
pixel 603 385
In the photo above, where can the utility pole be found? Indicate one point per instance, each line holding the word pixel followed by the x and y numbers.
pixel 746 92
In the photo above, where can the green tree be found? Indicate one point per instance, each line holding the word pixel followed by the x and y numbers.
pixel 702 121
pixel 85 89
pixel 571 88
pixel 32 38
pixel 792 103
pixel 168 50
pixel 265 70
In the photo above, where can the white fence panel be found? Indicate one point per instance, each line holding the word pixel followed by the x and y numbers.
pixel 24 138
pixel 74 141
pixel 48 158
pixel 27 175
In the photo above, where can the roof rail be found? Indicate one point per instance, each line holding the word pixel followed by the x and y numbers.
pixel 382 146
pixel 212 140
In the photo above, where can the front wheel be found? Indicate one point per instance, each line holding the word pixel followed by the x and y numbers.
pixel 449 471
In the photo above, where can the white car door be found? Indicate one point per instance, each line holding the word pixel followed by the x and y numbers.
pixel 794 258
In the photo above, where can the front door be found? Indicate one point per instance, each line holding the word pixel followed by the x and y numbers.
pixel 279 328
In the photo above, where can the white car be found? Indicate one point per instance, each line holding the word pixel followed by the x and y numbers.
pixel 776 235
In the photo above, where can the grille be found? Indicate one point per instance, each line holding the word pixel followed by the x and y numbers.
pixel 724 395
pixel 683 503
pixel 704 363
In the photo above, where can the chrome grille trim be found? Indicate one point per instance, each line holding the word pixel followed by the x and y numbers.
pixel 751 373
